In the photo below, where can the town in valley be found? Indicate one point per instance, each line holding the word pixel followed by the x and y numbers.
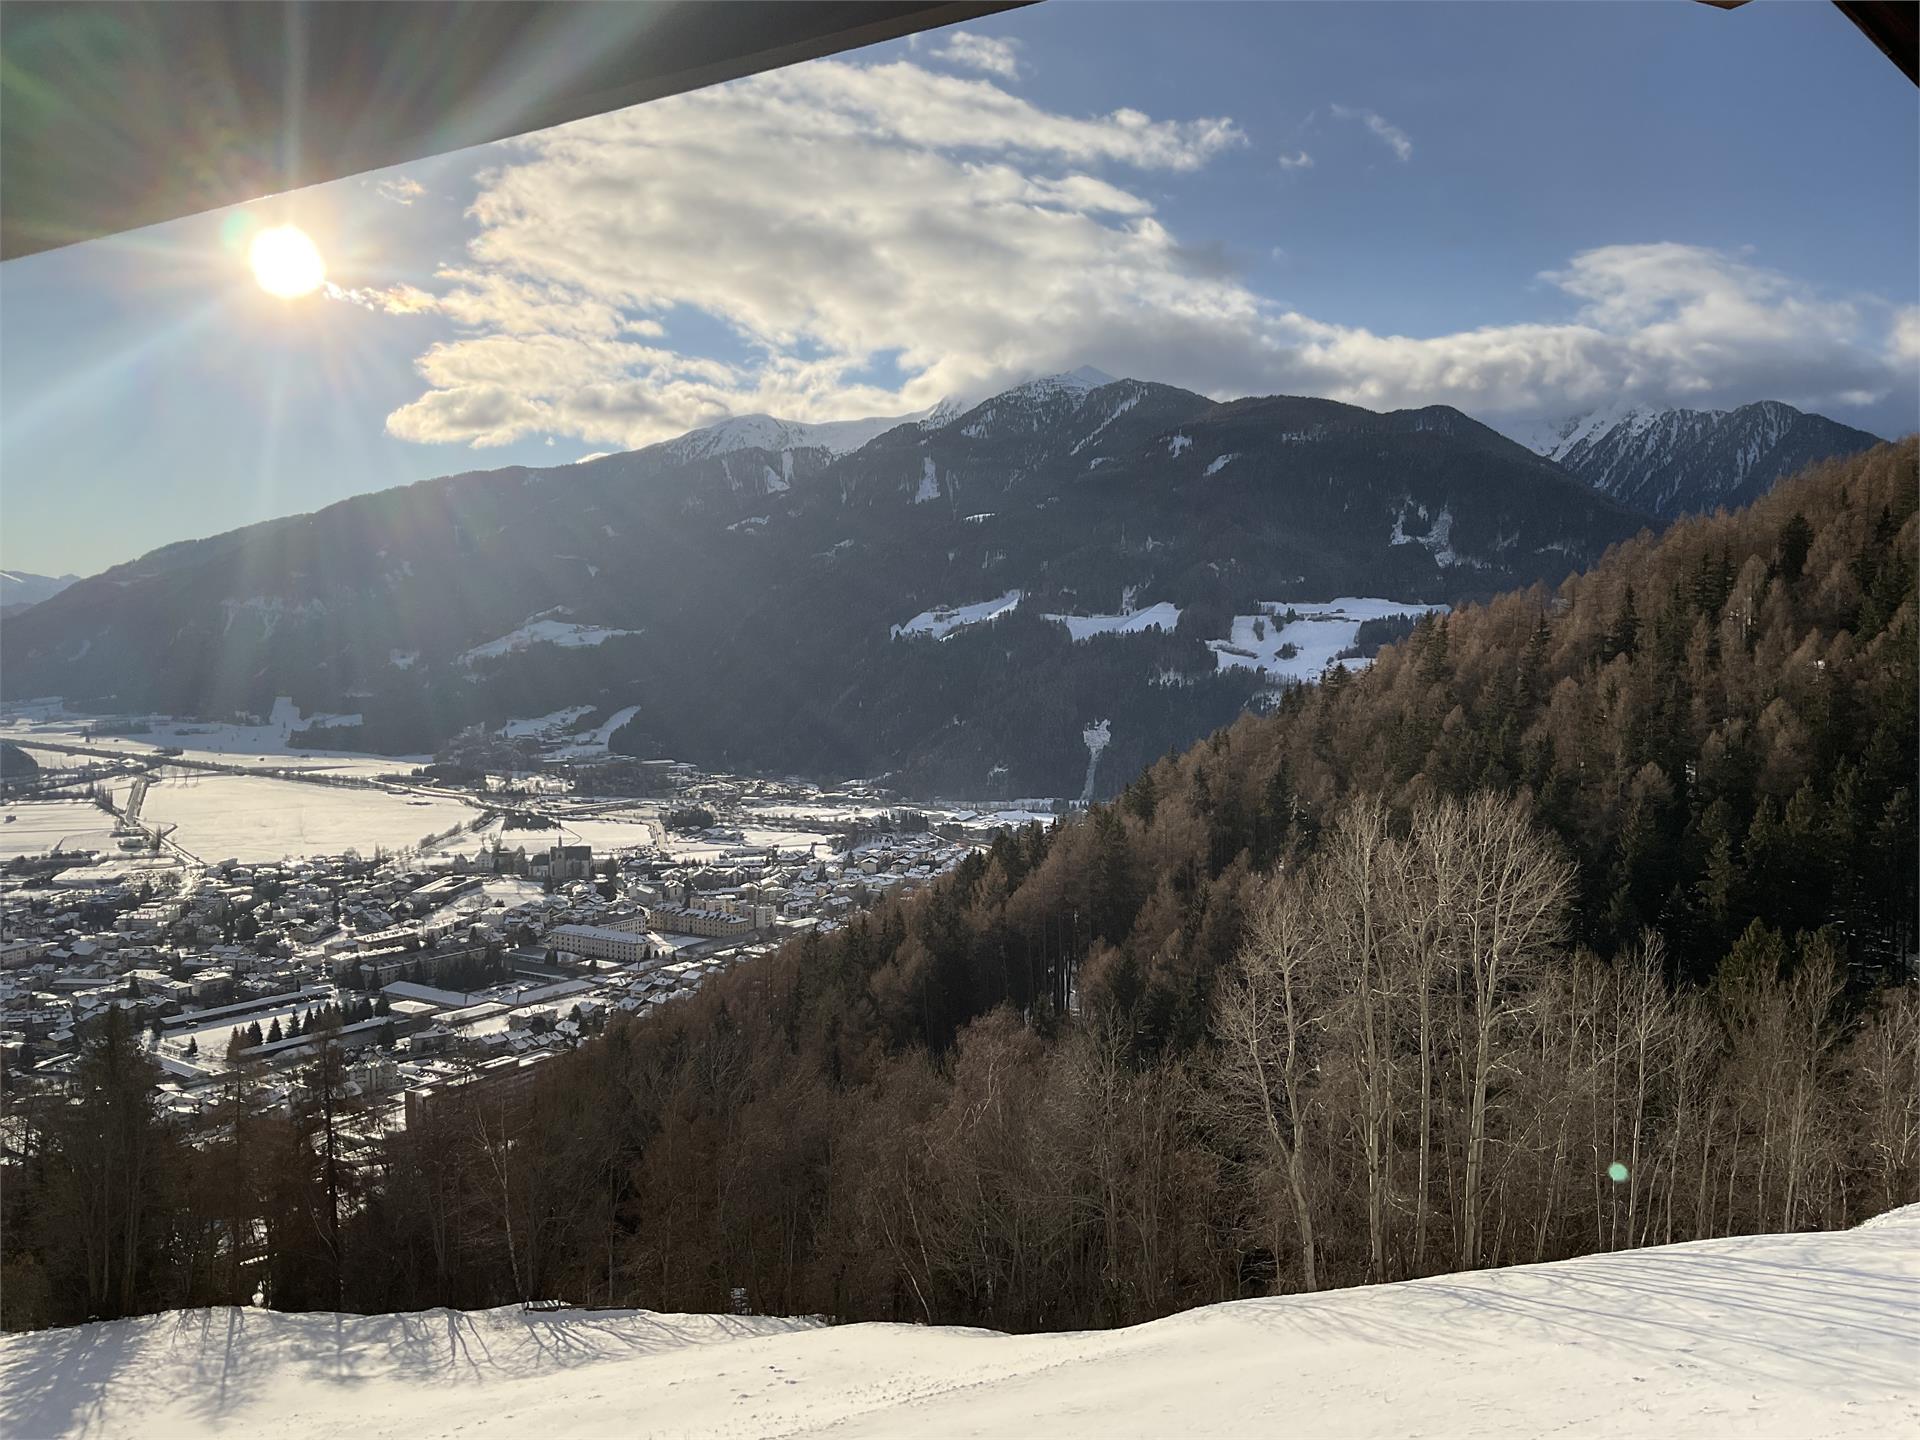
pixel 244 903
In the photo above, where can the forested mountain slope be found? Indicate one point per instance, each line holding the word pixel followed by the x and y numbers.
pixel 756 603
pixel 1583 920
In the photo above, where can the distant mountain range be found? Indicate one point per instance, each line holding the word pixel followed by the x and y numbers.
pixel 764 432
pixel 957 599
pixel 1668 463
pixel 1036 594
pixel 21 588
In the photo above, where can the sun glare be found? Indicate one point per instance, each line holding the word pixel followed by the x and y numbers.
pixel 286 262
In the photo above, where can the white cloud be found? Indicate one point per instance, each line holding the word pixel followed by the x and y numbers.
pixel 1905 340
pixel 833 216
pixel 400 189
pixel 877 237
pixel 981 52
pixel 1396 139
pixel 1299 160
pixel 1659 324
pixel 388 300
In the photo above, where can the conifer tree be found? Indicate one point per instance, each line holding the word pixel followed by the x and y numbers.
pixel 1796 539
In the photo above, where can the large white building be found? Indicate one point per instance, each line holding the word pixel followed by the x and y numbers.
pixel 598 942
pixel 681 920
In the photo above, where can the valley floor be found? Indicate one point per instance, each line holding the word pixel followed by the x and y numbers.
pixel 1777 1335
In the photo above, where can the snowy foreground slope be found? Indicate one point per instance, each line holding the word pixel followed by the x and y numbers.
pixel 1784 1335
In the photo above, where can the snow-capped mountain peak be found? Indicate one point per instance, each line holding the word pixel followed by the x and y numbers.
pixel 768 432
pixel 22 588
pixel 1084 378
pixel 1078 382
pixel 1667 463
pixel 1555 438
pixel 1050 400
pixel 843 437
pixel 944 412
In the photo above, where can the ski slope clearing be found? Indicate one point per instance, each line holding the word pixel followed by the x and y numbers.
pixel 1774 1335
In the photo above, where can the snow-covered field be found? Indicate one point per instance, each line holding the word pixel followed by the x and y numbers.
pixel 212 1036
pixel 827 813
pixel 633 828
pixel 249 817
pixel 1324 629
pixel 33 827
pixel 603 832
pixel 1775 1335
pixel 260 747
pixel 688 848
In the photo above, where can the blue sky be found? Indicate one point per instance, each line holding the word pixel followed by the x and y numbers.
pixel 1524 210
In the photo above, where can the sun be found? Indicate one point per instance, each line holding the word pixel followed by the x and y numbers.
pixel 286 262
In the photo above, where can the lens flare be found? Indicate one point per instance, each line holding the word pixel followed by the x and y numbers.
pixel 1617 1173
pixel 286 262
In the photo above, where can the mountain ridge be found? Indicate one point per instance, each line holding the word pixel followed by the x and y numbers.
pixel 1672 462
pixel 727 574
pixel 21 588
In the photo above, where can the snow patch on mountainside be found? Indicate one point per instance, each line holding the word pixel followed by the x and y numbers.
pixel 1125 404
pixel 1163 616
pixel 559 735
pixel 1777 1335
pixel 1318 633
pixel 943 620
pixel 929 482
pixel 541 630
pixel 267 611
pixel 1096 737
pixel 587 744
pixel 539 727
pixel 1438 539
